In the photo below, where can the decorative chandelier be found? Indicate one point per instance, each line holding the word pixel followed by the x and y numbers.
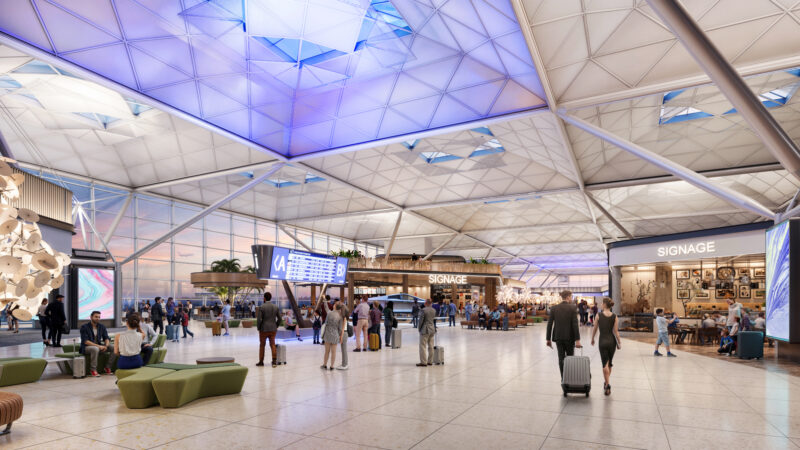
pixel 29 267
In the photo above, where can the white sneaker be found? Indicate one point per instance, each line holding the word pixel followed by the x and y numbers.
pixel 342 367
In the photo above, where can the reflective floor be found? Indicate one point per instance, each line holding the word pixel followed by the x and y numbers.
pixel 496 390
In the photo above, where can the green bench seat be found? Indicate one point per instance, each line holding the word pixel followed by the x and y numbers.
pixel 234 323
pixel 183 386
pixel 537 319
pixel 19 370
pixel 174 385
pixel 136 386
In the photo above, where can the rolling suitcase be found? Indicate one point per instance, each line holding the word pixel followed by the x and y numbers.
pixel 750 345
pixel 374 342
pixel 216 328
pixel 78 361
pixel 397 338
pixel 438 353
pixel 577 377
pixel 280 353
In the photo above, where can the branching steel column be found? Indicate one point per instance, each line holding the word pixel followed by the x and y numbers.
pixel 394 235
pixel 211 208
pixel 524 272
pixel 436 250
pixel 729 82
pixel 729 195
pixel 296 239
pixel 608 215
pixel 117 218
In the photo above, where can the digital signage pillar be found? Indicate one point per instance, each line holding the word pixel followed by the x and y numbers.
pixel 783 281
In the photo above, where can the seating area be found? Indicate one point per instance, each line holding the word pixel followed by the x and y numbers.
pixel 174 385
pixel 21 370
pixel 71 351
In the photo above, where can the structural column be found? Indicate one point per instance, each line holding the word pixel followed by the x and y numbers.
pixel 405 284
pixel 616 289
pixel 491 293
pixel 351 286
pixel 313 295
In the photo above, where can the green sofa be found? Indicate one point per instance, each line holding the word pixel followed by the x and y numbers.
pixel 174 385
pixel 159 353
pixel 21 370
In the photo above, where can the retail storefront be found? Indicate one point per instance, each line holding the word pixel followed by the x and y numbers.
pixel 690 273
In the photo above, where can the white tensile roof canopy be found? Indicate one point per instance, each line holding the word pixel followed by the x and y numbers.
pixel 505 178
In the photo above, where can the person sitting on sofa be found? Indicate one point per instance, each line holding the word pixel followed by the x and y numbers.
pixel 128 344
pixel 495 318
pixel 149 336
pixel 482 319
pixel 94 339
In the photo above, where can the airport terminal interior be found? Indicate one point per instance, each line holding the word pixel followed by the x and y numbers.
pixel 396 224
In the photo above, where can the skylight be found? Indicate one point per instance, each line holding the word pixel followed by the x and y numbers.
pixel 281 182
pixel 102 119
pixel 488 148
pixel 410 144
pixel 772 99
pixel 437 157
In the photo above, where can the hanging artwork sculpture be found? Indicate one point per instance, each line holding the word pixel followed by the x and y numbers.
pixel 29 267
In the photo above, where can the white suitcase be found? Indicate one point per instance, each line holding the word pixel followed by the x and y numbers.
pixel 78 361
pixel 280 351
pixel 397 338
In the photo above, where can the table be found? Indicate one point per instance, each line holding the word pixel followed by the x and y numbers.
pixel 215 360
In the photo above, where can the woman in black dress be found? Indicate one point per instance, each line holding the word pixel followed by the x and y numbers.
pixel 609 339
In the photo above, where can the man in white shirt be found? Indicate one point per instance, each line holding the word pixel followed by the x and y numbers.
pixel 760 323
pixel 362 326
pixel 734 311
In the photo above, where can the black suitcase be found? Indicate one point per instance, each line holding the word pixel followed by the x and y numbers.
pixel 750 345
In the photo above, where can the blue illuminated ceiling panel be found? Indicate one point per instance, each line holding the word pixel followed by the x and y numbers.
pixel 299 76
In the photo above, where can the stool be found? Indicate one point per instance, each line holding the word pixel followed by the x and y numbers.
pixel 10 410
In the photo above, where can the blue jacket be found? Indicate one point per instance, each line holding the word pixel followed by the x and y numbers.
pixel 87 334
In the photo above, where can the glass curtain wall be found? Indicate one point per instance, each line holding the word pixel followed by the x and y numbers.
pixel 164 271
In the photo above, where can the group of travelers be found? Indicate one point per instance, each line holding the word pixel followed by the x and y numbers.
pixel 52 319
pixel 174 312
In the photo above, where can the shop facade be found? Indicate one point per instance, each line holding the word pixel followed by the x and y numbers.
pixel 689 273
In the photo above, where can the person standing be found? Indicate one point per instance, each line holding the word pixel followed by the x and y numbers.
pixel 415 314
pixel 226 316
pixel 563 329
pixel 333 335
pixel 170 309
pixel 56 317
pixel 157 316
pixel 345 334
pixel 468 311
pixel 43 322
pixel 268 316
pixel 375 321
pixel 610 342
pixel 388 321
pixel 451 313
pixel 362 312
pixel 734 311
pixel 253 309
pixel 427 331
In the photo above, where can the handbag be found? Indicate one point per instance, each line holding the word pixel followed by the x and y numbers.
pixel 65 329
pixel 394 322
pixel 349 330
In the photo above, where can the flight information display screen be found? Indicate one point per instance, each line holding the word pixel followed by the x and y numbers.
pixel 279 263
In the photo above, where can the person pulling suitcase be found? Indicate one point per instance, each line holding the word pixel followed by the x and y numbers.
pixel 562 327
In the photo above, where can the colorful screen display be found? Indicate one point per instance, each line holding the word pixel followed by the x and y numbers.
pixel 778 276
pixel 95 293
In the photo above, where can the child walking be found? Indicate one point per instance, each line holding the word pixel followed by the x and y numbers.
pixel 663 333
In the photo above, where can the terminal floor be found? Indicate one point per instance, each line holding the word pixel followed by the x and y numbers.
pixel 496 390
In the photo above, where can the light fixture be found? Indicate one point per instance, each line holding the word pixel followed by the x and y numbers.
pixel 29 267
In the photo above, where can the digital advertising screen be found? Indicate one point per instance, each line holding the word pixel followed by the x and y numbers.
pixel 279 263
pixel 778 311
pixel 95 292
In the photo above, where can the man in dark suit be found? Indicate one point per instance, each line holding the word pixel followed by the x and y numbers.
pixel 562 327
pixel 157 316
pixel 268 316
pixel 56 318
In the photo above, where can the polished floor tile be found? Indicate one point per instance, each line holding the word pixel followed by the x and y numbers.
pixel 497 390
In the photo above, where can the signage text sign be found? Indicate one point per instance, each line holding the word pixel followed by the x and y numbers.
pixel 450 279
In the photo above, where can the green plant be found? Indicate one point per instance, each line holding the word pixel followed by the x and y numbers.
pixel 347 253
pixel 478 261
pixel 226 265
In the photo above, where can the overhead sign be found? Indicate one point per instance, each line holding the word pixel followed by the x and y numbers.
pixel 689 248
pixel 717 246
pixel 449 279
pixel 279 263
